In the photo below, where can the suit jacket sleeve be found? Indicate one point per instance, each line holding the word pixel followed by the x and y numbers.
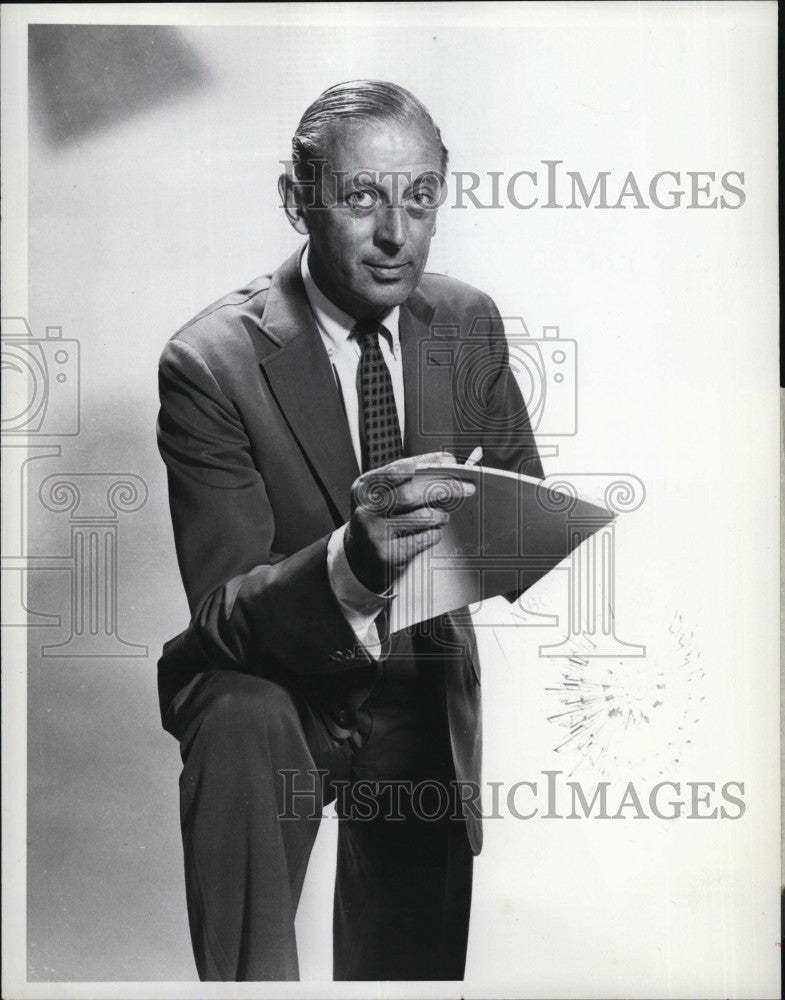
pixel 252 608
pixel 508 439
pixel 504 427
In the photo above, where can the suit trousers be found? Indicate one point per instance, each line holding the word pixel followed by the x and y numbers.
pixel 259 764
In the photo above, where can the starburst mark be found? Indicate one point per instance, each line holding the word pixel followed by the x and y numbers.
pixel 635 713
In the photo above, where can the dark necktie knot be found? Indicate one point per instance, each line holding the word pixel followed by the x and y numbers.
pixel 367 333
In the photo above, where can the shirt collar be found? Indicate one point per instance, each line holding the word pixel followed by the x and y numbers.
pixel 334 322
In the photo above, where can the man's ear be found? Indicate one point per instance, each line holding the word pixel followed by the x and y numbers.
pixel 295 213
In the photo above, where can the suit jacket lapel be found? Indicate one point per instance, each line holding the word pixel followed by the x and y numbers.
pixel 300 376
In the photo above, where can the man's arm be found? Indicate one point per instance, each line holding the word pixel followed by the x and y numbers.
pixel 252 608
pixel 506 431
pixel 508 439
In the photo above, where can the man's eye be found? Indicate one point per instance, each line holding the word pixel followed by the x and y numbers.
pixel 361 199
pixel 424 198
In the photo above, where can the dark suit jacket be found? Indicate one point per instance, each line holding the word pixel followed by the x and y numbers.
pixel 260 465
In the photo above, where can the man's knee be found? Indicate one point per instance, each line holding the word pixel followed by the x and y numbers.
pixel 246 742
pixel 235 693
pixel 244 712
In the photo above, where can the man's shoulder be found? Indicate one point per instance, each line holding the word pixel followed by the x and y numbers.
pixel 227 317
pixel 448 294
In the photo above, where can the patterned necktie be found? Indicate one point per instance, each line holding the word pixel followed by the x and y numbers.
pixel 382 441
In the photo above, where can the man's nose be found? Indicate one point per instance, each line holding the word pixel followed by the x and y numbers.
pixel 392 227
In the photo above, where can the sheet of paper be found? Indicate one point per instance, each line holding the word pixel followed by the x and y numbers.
pixel 501 540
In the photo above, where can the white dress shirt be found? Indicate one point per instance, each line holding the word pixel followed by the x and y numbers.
pixel 359 605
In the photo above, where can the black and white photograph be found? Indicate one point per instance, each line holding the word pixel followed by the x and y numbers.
pixel 391 448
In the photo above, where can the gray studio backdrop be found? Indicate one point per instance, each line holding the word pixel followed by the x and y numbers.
pixel 153 157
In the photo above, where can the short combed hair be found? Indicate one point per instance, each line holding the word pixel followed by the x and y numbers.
pixel 363 101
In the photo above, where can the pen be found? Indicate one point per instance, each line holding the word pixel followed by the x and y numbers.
pixel 475 458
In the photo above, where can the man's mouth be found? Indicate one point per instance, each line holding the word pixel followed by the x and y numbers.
pixel 388 272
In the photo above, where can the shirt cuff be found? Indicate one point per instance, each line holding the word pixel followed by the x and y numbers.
pixel 360 606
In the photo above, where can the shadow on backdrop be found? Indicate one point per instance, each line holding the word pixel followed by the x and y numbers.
pixel 86 78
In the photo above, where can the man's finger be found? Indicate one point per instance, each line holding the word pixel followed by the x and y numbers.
pixel 415 521
pixel 376 490
pixel 404 468
pixel 409 546
pixel 436 458
pixel 447 492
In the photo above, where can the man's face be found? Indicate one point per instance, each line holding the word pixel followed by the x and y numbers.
pixel 369 238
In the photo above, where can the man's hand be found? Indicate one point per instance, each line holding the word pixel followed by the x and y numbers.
pixel 394 518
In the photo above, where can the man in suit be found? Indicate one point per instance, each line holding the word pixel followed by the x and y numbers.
pixel 283 406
